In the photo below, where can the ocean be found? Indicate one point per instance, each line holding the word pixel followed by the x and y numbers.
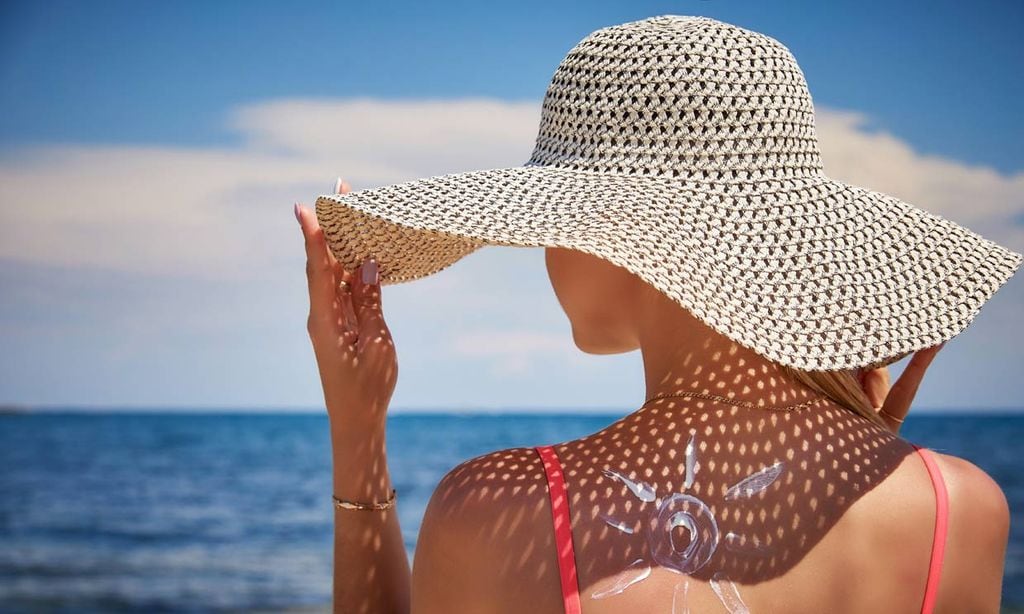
pixel 198 512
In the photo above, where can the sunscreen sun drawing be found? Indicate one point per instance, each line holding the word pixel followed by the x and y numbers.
pixel 682 510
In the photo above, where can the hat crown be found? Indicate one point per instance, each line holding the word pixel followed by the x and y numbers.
pixel 680 97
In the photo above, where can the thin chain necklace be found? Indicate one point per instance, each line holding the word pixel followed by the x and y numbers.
pixel 727 400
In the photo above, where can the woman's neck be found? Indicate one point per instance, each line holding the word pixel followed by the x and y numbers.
pixel 682 354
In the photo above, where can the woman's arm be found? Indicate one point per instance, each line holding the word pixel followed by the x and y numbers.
pixel 371 569
pixel 356 358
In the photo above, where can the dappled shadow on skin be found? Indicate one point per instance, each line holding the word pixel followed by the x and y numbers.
pixel 366 532
pixel 721 494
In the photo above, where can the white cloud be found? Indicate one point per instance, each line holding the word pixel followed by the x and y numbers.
pixel 382 141
pixel 976 196
pixel 213 212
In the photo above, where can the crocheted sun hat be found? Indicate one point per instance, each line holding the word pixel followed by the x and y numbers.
pixel 683 149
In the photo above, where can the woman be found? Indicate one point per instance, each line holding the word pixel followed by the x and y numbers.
pixel 486 544
pixel 745 480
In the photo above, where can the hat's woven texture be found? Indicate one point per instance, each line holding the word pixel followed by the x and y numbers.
pixel 683 149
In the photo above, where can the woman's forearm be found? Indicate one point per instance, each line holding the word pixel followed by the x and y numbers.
pixel 371 568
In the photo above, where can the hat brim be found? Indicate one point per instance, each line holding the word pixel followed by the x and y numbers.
pixel 812 272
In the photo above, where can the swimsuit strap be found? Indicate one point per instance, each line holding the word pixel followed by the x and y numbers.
pixel 563 532
pixel 941 523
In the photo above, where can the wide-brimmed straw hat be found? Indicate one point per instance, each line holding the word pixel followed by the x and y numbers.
pixel 683 149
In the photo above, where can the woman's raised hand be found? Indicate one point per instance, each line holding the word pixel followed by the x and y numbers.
pixel 354 350
pixel 893 402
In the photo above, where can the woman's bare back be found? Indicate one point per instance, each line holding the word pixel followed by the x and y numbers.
pixel 810 510
pixel 765 489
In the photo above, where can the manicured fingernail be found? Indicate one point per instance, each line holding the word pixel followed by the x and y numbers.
pixel 371 275
pixel 298 215
pixel 337 186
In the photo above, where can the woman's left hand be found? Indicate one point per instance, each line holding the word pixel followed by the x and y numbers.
pixel 354 350
pixel 893 402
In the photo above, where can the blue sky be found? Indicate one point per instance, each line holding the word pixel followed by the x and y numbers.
pixel 150 154
pixel 942 75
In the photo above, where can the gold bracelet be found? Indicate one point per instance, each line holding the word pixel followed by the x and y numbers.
pixel 882 411
pixel 373 505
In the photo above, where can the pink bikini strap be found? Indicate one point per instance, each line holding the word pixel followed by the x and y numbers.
pixel 931 589
pixel 563 531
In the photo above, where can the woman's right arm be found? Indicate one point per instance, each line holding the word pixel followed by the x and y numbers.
pixel 358 367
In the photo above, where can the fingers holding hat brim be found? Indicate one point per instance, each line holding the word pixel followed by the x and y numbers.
pixel 321 271
pixel 901 395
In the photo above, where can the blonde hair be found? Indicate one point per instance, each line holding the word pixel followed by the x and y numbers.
pixel 842 387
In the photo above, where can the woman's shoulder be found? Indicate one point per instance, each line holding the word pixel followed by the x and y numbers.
pixel 966 481
pixel 501 477
pixel 486 538
pixel 897 523
pixel 979 520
